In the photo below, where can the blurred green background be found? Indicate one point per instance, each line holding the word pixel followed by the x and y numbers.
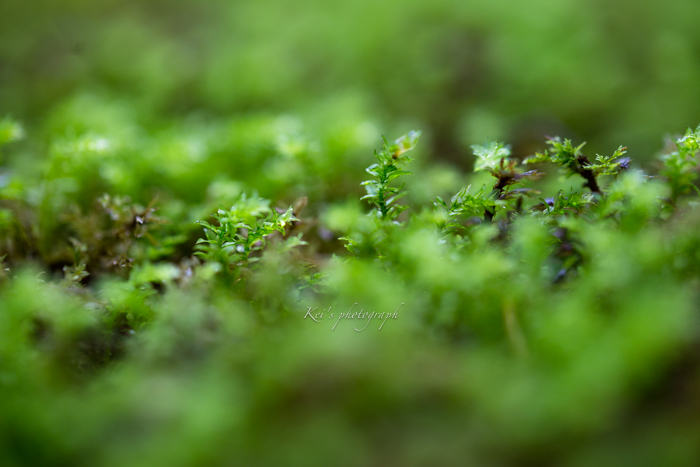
pixel 611 73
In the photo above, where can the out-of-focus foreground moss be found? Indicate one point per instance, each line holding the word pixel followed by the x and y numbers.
pixel 564 332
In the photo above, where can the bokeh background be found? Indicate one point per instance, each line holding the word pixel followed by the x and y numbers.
pixel 610 73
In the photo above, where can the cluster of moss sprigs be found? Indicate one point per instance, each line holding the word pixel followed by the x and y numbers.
pixel 561 329
pixel 241 232
pixel 382 194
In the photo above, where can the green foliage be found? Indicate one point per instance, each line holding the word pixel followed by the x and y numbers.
pixel 380 192
pixel 573 203
pixel 372 238
pixel 679 165
pixel 490 157
pixel 239 233
pixel 573 162
pixel 494 158
pixel 463 204
pixel 611 165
